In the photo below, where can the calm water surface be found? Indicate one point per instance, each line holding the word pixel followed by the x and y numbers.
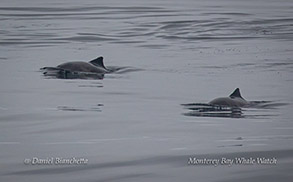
pixel 132 126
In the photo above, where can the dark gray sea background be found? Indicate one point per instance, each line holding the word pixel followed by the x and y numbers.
pixel 132 126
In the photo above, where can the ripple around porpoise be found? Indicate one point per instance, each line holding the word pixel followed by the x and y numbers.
pixel 53 73
pixel 256 110
pixel 72 108
pixel 85 38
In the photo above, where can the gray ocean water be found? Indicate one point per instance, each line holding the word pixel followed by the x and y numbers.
pixel 132 126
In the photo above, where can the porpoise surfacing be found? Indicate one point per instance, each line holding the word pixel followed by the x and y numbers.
pixel 234 100
pixel 94 69
pixel 94 66
pixel 79 66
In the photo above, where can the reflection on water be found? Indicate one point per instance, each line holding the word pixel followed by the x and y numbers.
pixel 50 72
pixel 55 72
pixel 255 109
pixel 70 108
pixel 208 110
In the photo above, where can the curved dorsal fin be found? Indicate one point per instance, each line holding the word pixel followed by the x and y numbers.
pixel 98 62
pixel 236 93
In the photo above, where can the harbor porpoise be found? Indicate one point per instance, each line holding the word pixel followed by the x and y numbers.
pixel 229 107
pixel 78 69
pixel 93 66
pixel 234 100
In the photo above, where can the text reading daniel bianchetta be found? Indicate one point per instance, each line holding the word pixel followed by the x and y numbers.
pixel 55 161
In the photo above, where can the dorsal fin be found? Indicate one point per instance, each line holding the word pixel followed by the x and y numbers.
pixel 98 62
pixel 236 93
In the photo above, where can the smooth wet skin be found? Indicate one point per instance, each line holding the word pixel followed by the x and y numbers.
pixel 93 69
pixel 94 66
pixel 79 66
pixel 234 100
